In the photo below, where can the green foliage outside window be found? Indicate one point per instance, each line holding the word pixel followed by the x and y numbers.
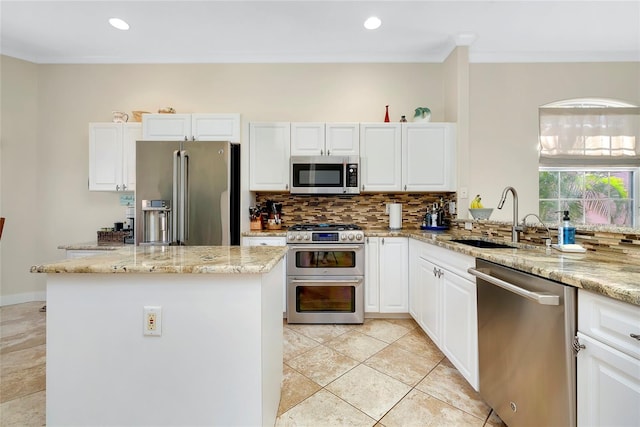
pixel 591 197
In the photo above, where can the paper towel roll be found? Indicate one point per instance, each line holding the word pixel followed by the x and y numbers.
pixel 395 216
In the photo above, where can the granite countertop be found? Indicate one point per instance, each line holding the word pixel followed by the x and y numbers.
pixel 603 273
pixel 93 246
pixel 173 259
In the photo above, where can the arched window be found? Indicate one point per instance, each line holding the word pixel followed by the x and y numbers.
pixel 589 161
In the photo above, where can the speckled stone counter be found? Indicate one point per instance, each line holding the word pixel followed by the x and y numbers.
pixel 173 259
pixel 603 273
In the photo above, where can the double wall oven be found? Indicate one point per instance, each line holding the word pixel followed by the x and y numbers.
pixel 325 273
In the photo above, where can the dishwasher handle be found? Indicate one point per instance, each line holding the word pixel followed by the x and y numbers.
pixel 544 298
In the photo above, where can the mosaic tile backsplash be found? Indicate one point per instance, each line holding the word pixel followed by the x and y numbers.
pixel 366 210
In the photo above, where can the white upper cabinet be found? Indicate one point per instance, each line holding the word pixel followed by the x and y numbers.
pixel 307 139
pixel 269 152
pixel 381 157
pixel 342 139
pixel 322 139
pixel 194 127
pixel 112 161
pixel 428 157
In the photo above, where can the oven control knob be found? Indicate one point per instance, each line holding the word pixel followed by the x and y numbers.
pixel 305 237
pixel 350 236
pixel 358 236
pixel 343 236
pixel 299 237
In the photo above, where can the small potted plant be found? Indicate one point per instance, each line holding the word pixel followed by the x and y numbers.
pixel 423 114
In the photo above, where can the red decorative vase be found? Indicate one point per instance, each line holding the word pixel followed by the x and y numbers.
pixel 386 115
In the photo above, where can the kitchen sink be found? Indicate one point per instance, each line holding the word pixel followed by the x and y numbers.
pixel 483 244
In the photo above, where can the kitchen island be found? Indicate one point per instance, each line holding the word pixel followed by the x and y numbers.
pixel 216 361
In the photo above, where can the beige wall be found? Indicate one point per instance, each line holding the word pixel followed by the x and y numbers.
pixel 19 183
pixel 503 132
pixel 46 110
pixel 71 96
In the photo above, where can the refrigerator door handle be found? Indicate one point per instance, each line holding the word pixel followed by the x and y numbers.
pixel 184 196
pixel 174 203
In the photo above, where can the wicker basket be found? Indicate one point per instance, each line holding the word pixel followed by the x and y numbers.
pixel 111 238
pixel 137 115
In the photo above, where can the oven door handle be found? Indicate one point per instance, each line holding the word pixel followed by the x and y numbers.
pixel 544 298
pixel 326 281
pixel 319 248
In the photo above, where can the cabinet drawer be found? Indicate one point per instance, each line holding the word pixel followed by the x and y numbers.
pixel 610 321
pixel 264 241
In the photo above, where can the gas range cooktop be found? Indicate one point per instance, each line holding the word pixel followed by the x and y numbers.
pixel 324 227
pixel 325 233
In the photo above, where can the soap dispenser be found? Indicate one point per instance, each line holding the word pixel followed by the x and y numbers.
pixel 566 232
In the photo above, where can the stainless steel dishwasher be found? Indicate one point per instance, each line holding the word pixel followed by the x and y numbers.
pixel 526 327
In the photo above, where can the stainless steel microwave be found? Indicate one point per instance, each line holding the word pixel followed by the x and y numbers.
pixel 325 175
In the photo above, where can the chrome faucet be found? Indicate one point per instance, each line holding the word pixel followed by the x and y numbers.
pixel 523 227
pixel 515 228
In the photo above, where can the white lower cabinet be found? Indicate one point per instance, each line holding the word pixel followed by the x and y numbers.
pixel 271 241
pixel 386 279
pixel 608 364
pixel 443 303
pixel 81 253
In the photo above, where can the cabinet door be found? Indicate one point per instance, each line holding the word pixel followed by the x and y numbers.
pixel 166 127
pixel 372 276
pixel 132 132
pixel 269 145
pixel 342 139
pixel 431 300
pixel 428 157
pixel 394 275
pixel 105 156
pixel 459 341
pixel 608 390
pixel 307 139
pixel 215 127
pixel 381 156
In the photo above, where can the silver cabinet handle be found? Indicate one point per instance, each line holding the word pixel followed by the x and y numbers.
pixel 383 240
pixel 328 152
pixel 185 138
pixel 321 152
pixel 124 187
pixel 117 187
pixel 636 336
pixel 193 138
pixel 405 187
pixel 544 298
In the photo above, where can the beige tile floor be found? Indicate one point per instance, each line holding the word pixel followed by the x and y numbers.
pixel 386 372
pixel 382 373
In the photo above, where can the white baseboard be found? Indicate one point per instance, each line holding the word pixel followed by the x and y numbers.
pixel 21 298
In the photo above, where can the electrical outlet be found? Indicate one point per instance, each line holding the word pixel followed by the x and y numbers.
pixel 152 320
pixel 468 225
pixel 463 193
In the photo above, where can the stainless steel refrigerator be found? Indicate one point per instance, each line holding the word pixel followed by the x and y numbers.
pixel 200 181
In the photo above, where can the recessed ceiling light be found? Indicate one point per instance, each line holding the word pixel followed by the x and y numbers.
pixel 118 23
pixel 372 23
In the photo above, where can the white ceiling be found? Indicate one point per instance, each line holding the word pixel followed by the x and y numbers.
pixel 319 31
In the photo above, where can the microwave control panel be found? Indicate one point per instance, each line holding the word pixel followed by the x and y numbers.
pixel 352 175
